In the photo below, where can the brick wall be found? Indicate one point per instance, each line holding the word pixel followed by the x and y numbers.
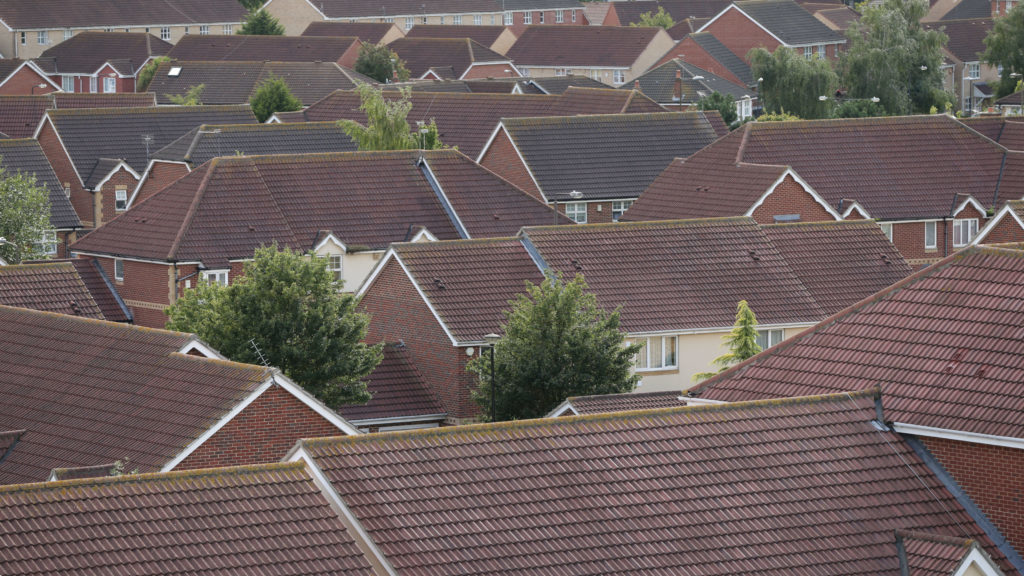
pixel 789 197
pixel 740 35
pixel 261 433
pixel 502 159
pixel 25 82
pixel 399 313
pixel 145 289
pixel 689 51
pixel 993 476
pixel 1006 230
pixel 160 176
pixel 106 196
pixel 597 212
pixel 519 19
pixel 81 200
pixel 909 237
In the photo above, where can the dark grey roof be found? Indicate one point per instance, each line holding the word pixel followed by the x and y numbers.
pixel 95 137
pixel 209 141
pixel 789 22
pixel 606 156
pixel 969 9
pixel 24 155
pixel 86 52
pixel 659 84
pixel 724 56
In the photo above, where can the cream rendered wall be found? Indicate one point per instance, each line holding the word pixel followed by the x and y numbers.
pixel 358 266
pixel 294 15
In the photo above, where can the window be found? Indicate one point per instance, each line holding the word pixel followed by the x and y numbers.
pixel 423 20
pixel 109 85
pixel 559 71
pixel 618 77
pixel 559 16
pixel 204 30
pixel 744 108
pixel 658 353
pixel 120 199
pixel 227 30
pixel 524 71
pixel 48 242
pixel 24 39
pixel 478 19
pixel 768 338
pixel 216 277
pixel 186 29
pixel 389 20
pixel 596 75
pixel 165 34
pixel 887 230
pixel 573 12
pixel 42 37
pixel 457 19
pixel 108 29
pixel 126 30
pixel 334 266
pixel 408 23
pixel 67 189
pixel 964 229
pixel 821 51
pixel 528 17
pixel 68 34
pixel 508 18
pixel 67 83
pixel 442 19
pixel 541 19
pixel 808 52
pixel 619 208
pixel 92 84
pixel 972 70
pixel 929 235
pixel 118 269
pixel 577 212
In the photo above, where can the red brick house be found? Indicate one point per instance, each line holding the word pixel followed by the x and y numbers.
pixel 1005 226
pixel 162 399
pixel 769 24
pixel 344 207
pixel 442 298
pixel 100 169
pixel 100 62
pixel 579 162
pixel 943 345
pixel 706 52
pixel 678 85
pixel 342 50
pixel 24 78
pixel 451 59
pixel 929 206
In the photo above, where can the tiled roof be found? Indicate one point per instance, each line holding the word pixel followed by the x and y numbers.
pixel 789 22
pixel 969 9
pixel 860 159
pixel 8 439
pixel 609 156
pixel 395 8
pixel 8 66
pixel 966 37
pixel 25 156
pixel 423 54
pixel 397 389
pixel 20 115
pixel 943 343
pixel 1006 130
pixel 116 391
pixel 1014 99
pixel 124 132
pixel 604 403
pixel 56 14
pixel 485 35
pixel 555 46
pixel 86 52
pixel 583 100
pixel 931 554
pixel 208 141
pixel 869 262
pixel 269 519
pixel 101 289
pixel 731 62
pixel 559 84
pixel 802 486
pixel 661 85
pixel 372 32
pixel 227 82
pixel 841 17
pixel 226 208
pixel 66 100
pixel 51 287
pixel 263 48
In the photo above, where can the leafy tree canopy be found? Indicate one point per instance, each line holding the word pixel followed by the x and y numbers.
pixel 724 103
pixel 145 76
pixel 858 108
pixel 793 83
pixel 891 57
pixel 261 23
pixel 273 96
pixel 387 127
pixel 655 19
pixel 380 63
pixel 741 341
pixel 1004 46
pixel 191 97
pixel 289 305
pixel 558 343
pixel 251 4
pixel 781 116
pixel 24 217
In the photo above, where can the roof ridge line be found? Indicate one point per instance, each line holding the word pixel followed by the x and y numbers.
pixel 200 191
pixel 91 320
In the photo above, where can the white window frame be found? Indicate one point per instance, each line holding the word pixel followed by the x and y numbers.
pixel 93 81
pixel 744 108
pixel 821 51
pixel 48 242
pixel 972 71
pixel 528 17
pixel 560 72
pixel 42 37
pixel 669 351
pixel 409 23
pixel 120 199
pixel 559 16
pixel 541 19
pixel 457 19
pixel 770 337
pixel 227 29
pixel 619 208
pixel 186 29
pixel 576 211
pixel 478 19
pixel 442 19
pixel 24 38
pixel 930 226
pixel 886 229
pixel 109 85
pixel 118 269
pixel 423 20
pixel 808 52
pixel 508 18
pixel 596 75
pixel 204 30
pixel 68 34
pixel 67 83
pixel 336 266
pixel 619 77
pixel 525 72
pixel 219 277
pixel 165 33
pixel 573 15
pixel 959 226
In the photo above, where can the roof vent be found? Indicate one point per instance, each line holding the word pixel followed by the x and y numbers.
pixel 439 283
pixel 577 264
pixel 174 71
pixel 885 258
pixel 753 255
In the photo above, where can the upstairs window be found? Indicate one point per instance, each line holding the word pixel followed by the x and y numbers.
pixel 964 230
pixel 528 18
pixel 120 199
pixel 335 264
pixel 109 85
pixel 68 34
pixel 216 277
pixel 42 37
pixel 165 34
pixel 204 30
pixel 408 23
pixel 478 19
pixel 972 70
pixel 541 18
pixel 508 18
pixel 619 77
pixel 768 338
pixel 48 242
pixel 887 230
pixel 658 353
pixel 67 83
pixel 93 84
pixel 619 208
pixel 457 19
pixel 821 51
pixel 573 12
pixel 929 235
pixel 226 30
pixel 577 212
pixel 24 38
pixel 118 269
pixel 559 16
pixel 808 52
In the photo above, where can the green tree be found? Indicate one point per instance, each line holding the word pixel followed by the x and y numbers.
pixel 891 57
pixel 273 96
pixel 725 105
pixel 655 19
pixel 858 108
pixel 793 83
pixel 741 341
pixel 24 217
pixel 387 127
pixel 290 306
pixel 380 63
pixel 558 343
pixel 251 5
pixel 781 116
pixel 191 97
pixel 261 23
pixel 1004 46
pixel 145 76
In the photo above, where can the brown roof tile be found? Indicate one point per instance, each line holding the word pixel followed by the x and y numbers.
pixel 932 554
pixel 86 52
pixel 944 343
pixel 372 32
pixel 789 22
pixel 263 48
pixel 397 389
pixel 966 37
pixel 116 391
pixel 604 403
pixel 797 486
pixel 56 14
pixel 52 287
pixel 630 12
pixel 554 46
pixel 203 143
pixel 423 54
pixel 66 100
pixel 485 35
pixel 1006 130
pixel 252 520
pixel 102 290
pixel 20 115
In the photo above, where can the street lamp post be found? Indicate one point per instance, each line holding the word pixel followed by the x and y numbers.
pixel 492 340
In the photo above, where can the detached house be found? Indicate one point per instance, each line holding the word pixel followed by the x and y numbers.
pixel 706 52
pixel 24 78
pixel 342 50
pixel 451 59
pixel 344 207
pixel 99 155
pixel 594 166
pixel 769 24
pixel 442 298
pixel 106 62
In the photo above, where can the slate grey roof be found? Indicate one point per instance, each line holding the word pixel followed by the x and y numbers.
pixel 24 155
pixel 789 22
pixel 95 137
pixel 208 141
pixel 659 84
pixel 86 52
pixel 53 14
pixel 724 56
pixel 606 156
pixel 969 9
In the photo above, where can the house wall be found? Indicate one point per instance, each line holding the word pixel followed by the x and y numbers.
pixel 357 267
pixel 491 71
pixel 160 176
pixel 502 159
pixel 81 200
pixel 261 433
pixel 993 476
pixel 294 15
pixel 908 237
pixel 348 59
pixel 399 313
pixel 1006 230
pixel 504 41
pixel 597 212
pixel 689 51
pixel 83 82
pixel 105 197
pixel 146 289
pixel 740 35
pixel 789 197
pixel 519 19
pixel 25 82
